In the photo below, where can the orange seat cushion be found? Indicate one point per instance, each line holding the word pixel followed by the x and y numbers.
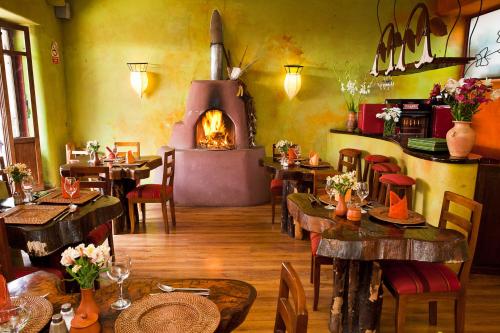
pixel 277 186
pixel 397 179
pixel 149 191
pixel 386 167
pixel 19 272
pixel 315 239
pixel 376 158
pixel 414 277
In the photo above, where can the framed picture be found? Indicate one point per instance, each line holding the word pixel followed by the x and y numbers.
pixel 483 43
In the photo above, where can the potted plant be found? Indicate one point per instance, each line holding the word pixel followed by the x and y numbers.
pixel 341 184
pixel 17 173
pixel 391 116
pixel 464 98
pixel 93 148
pixel 84 264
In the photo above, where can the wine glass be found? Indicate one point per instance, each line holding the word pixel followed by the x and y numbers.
pixel 28 189
pixel 362 192
pixel 70 186
pixel 298 153
pixel 330 190
pixel 118 269
pixel 14 318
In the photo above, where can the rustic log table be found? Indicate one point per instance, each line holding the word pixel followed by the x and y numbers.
pixel 233 298
pixel 303 177
pixel 123 178
pixel 357 246
pixel 72 229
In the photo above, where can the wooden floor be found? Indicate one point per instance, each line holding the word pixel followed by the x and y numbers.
pixel 241 243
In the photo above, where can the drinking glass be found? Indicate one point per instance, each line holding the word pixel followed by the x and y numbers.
pixel 13 318
pixel 118 269
pixel 70 186
pixel 330 190
pixel 298 152
pixel 28 189
pixel 362 192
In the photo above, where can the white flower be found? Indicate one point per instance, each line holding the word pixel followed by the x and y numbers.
pixel 451 86
pixel 495 94
pixel 76 268
pixel 342 87
pixel 487 82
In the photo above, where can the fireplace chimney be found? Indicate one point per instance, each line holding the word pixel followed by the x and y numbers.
pixel 216 46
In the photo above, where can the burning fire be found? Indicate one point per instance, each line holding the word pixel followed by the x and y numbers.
pixel 216 134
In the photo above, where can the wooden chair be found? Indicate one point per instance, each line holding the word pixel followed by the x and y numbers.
pixel 4 176
pixel 291 318
pixel 316 263
pixel 380 169
pixel 350 159
pixel 72 153
pixel 134 146
pixel 276 153
pixel 156 193
pixel 401 184
pixel 96 177
pixel 370 160
pixel 6 266
pixel 430 282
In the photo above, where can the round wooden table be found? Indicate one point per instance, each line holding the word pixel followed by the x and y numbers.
pixel 357 246
pixel 233 298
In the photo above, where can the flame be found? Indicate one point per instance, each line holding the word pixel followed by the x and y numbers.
pixel 216 134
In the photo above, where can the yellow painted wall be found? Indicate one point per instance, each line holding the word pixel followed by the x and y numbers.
pixel 433 178
pixel 173 37
pixel 49 78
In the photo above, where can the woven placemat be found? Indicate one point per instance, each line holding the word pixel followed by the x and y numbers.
pixel 56 197
pixel 40 312
pixel 170 312
pixel 32 214
pixel 381 213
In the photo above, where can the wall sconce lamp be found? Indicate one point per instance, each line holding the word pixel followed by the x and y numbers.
pixel 293 80
pixel 138 76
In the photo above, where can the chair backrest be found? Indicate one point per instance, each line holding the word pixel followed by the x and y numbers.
pixel 93 177
pixel 319 181
pixel 350 159
pixel 124 146
pixel 4 176
pixel 5 260
pixel 471 226
pixel 72 153
pixel 276 153
pixel 291 315
pixel 168 168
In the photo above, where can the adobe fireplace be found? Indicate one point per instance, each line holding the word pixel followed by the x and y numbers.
pixel 216 164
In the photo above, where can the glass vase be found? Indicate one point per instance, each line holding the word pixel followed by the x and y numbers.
pixel 389 128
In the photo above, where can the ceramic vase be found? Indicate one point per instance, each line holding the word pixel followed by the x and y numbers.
pixel 19 194
pixel 341 208
pixel 87 315
pixel 460 139
pixel 94 158
pixel 352 121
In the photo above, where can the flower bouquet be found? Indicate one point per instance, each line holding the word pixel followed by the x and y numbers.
pixel 391 117
pixel 341 184
pixel 93 148
pixel 17 173
pixel 283 146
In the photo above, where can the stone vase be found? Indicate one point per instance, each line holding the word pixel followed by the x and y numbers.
pixel 460 139
pixel 352 121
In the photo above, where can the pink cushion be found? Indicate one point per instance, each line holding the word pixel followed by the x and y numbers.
pixel 397 179
pixel 414 277
pixel 277 186
pixel 386 167
pixel 149 191
pixel 315 239
pixel 376 158
pixel 100 234
pixel 19 272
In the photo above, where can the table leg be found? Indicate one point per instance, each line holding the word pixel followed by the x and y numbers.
pixel 286 225
pixel 358 309
pixel 120 189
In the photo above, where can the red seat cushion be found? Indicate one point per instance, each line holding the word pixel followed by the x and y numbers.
pixel 386 167
pixel 397 179
pixel 315 239
pixel 100 234
pixel 376 158
pixel 415 277
pixel 148 191
pixel 19 272
pixel 277 186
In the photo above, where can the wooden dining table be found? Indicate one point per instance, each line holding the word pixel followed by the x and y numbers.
pixel 123 177
pixel 357 249
pixel 302 176
pixel 233 298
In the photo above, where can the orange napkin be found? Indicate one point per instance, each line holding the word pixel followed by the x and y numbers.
pixel 313 158
pixel 292 155
pixel 130 157
pixel 398 208
pixel 4 296
pixel 65 194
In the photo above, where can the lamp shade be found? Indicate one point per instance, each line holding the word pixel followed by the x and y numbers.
pixel 138 77
pixel 293 80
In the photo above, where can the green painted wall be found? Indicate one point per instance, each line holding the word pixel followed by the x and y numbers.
pixel 173 37
pixel 49 79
